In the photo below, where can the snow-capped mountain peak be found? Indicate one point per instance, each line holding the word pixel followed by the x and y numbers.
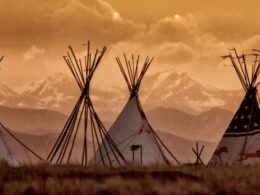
pixel 163 89
pixel 179 90
pixel 7 92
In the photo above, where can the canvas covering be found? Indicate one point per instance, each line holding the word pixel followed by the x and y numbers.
pixel 241 141
pixel 131 128
pixel 12 151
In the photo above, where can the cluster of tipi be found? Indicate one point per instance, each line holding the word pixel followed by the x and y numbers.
pixel 131 139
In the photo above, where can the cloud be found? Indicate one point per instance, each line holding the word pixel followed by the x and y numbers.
pixel 250 43
pixel 177 28
pixel 55 24
pixel 192 41
pixel 236 26
pixel 175 53
pixel 114 14
pixel 180 42
pixel 33 52
pixel 173 41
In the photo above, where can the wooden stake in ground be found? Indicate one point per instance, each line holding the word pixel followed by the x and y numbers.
pixel 198 153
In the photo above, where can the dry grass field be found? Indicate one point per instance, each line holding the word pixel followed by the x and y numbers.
pixel 45 179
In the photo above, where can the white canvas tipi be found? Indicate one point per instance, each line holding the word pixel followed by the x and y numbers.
pixel 241 141
pixel 13 151
pixel 131 132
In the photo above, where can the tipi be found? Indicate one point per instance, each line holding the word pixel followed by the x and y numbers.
pixel 131 131
pixel 241 141
pixel 83 121
pixel 14 151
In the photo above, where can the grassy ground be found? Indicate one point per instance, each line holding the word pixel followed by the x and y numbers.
pixel 44 179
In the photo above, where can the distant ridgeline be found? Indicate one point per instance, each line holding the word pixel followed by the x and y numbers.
pixel 131 139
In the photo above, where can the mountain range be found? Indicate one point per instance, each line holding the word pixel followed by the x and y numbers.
pixel 174 103
pixel 168 89
pixel 181 109
pixel 180 147
pixel 207 126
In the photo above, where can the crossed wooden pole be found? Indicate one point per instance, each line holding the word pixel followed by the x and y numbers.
pixel 83 117
pixel 198 153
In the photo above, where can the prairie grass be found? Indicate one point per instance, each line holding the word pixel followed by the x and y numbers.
pixel 46 179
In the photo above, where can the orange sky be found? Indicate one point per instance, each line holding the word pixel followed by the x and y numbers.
pixel 183 35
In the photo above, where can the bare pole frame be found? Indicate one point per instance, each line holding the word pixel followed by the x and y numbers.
pixel 83 117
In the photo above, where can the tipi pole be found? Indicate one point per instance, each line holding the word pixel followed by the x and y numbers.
pixel 85 147
pixel 241 78
pixel 68 136
pixel 25 146
pixel 108 138
pixel 133 79
pixel 76 133
pixel 179 163
pixel 156 137
pixel 133 151
pixel 141 155
pixel 241 68
pixel 83 110
pixel 97 140
pixel 62 136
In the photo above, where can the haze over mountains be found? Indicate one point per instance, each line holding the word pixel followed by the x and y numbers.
pixel 173 101
pixel 164 89
pixel 180 108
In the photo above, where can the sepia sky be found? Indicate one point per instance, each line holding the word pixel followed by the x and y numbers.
pixel 182 35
